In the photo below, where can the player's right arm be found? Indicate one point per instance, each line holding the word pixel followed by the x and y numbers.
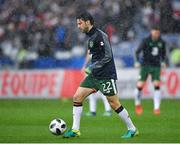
pixel 87 60
pixel 137 53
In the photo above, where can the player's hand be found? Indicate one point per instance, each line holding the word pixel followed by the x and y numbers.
pixel 88 70
pixel 137 65
pixel 163 65
pixel 83 69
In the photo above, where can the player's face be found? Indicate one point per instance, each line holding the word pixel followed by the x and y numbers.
pixel 82 25
pixel 155 34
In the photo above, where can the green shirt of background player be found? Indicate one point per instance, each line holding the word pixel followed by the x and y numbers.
pixel 102 76
pixel 153 53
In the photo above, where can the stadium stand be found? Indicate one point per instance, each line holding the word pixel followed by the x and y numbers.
pixel 38 34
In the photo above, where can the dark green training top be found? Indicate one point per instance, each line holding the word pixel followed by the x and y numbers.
pixel 153 52
pixel 102 61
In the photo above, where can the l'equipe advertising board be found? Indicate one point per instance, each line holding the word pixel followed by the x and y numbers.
pixel 63 83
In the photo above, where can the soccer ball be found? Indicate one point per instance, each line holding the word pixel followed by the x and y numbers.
pixel 57 126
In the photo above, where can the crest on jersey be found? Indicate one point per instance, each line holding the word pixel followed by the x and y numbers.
pixel 159 44
pixel 101 43
pixel 151 44
pixel 91 44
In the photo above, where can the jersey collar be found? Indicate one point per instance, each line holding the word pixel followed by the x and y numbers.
pixel 92 31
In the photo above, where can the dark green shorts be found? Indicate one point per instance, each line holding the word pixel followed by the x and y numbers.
pixel 150 70
pixel 106 86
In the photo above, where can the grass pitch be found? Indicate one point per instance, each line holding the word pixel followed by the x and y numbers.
pixel 27 121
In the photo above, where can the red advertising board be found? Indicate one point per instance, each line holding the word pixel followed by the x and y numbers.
pixel 30 83
pixel 63 83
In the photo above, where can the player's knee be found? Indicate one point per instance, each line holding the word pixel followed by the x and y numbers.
pixel 139 88
pixel 77 98
pixel 140 85
pixel 156 87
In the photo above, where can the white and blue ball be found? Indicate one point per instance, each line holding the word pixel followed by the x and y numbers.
pixel 57 126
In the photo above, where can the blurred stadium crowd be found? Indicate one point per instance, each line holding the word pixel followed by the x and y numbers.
pixel 43 33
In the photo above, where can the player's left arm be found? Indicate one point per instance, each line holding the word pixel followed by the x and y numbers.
pixel 103 44
pixel 163 55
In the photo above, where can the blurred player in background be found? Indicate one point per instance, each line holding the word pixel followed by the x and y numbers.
pixel 153 53
pixel 93 104
pixel 94 96
pixel 102 77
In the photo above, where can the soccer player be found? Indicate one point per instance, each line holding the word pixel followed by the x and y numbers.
pixel 102 77
pixel 93 97
pixel 93 104
pixel 153 53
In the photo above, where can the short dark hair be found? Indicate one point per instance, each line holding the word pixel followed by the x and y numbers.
pixel 155 27
pixel 85 16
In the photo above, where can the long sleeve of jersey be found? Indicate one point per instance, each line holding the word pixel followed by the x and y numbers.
pixel 103 43
pixel 139 50
pixel 102 62
pixel 163 53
